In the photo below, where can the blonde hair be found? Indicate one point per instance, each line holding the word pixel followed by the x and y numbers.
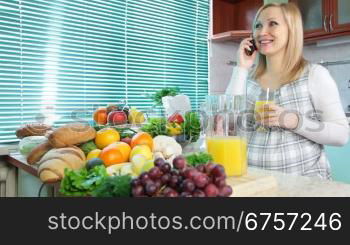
pixel 294 61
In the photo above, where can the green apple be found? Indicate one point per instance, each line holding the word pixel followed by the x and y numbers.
pixel 137 163
pixel 143 150
pixel 148 165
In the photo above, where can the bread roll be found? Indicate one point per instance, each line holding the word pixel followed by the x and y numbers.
pixel 33 129
pixel 54 162
pixel 71 134
pixel 36 154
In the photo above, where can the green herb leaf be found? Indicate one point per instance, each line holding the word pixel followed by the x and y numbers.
pixel 114 186
pixel 157 97
pixel 192 126
pixel 88 146
pixel 82 182
pixel 198 158
pixel 155 127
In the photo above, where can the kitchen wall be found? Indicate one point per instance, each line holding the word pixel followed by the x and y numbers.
pixel 337 49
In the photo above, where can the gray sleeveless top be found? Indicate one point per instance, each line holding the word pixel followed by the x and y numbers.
pixel 281 149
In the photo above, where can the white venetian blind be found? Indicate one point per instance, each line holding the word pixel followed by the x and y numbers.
pixel 61 59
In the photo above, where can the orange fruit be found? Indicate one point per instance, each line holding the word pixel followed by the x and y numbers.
pixel 111 155
pixel 100 116
pixel 142 138
pixel 105 137
pixel 123 147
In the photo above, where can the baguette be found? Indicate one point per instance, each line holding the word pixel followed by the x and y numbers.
pixel 71 134
pixel 54 162
pixel 38 152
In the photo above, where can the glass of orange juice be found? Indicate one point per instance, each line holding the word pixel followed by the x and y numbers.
pixel 266 97
pixel 225 136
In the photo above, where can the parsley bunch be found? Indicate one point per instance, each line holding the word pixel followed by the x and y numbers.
pixel 155 127
pixel 157 97
pixel 114 186
pixel 192 126
pixel 198 158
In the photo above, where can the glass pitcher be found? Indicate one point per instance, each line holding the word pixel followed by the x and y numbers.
pixel 225 132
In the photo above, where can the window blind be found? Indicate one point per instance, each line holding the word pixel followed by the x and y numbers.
pixel 61 59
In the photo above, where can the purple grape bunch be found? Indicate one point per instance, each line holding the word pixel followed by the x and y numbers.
pixel 205 180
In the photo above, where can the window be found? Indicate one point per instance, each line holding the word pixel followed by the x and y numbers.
pixel 61 59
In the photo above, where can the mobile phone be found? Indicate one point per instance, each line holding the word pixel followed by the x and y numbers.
pixel 253 47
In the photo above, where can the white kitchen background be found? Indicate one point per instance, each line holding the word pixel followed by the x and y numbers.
pixel 222 54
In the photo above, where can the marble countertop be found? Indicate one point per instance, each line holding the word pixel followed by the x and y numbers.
pixel 288 185
pixel 299 186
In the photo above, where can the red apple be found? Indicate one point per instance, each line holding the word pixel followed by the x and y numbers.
pixel 117 118
pixel 111 108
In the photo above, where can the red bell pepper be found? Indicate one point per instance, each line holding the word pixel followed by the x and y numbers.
pixel 176 118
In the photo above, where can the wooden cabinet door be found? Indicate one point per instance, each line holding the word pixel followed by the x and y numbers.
pixel 315 14
pixel 230 15
pixel 340 16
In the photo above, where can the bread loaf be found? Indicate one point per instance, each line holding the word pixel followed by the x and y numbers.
pixel 54 162
pixel 36 154
pixel 33 129
pixel 71 134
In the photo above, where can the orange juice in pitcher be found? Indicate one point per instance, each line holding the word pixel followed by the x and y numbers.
pixel 230 152
pixel 225 133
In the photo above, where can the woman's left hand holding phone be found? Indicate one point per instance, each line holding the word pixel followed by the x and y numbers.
pixel 244 60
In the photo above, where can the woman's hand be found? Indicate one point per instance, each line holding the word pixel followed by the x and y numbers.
pixel 244 60
pixel 276 116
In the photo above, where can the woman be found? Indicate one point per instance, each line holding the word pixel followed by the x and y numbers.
pixel 306 113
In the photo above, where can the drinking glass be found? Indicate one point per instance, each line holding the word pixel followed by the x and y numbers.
pixel 266 97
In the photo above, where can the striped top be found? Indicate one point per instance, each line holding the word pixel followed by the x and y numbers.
pixel 281 149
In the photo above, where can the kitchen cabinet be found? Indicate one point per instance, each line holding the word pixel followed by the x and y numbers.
pixel 340 20
pixel 315 14
pixel 324 19
pixel 233 19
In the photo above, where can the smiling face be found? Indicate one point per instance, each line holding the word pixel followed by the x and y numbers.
pixel 271 31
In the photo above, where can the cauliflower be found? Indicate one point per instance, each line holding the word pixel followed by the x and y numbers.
pixel 166 147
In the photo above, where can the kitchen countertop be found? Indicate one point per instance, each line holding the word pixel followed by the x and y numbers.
pixel 301 186
pixel 287 185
